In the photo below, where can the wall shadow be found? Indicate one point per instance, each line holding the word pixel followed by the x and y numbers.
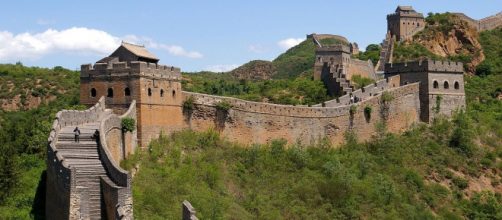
pixel 38 206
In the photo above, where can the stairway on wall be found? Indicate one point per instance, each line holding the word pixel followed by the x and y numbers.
pixel 385 53
pixel 84 156
pixel 337 72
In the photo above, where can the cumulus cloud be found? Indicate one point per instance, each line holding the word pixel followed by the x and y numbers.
pixel 290 42
pixel 221 67
pixel 79 40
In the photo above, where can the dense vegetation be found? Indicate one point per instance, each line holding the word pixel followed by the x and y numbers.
pixel 297 91
pixel 491 41
pixel 372 53
pixel 33 81
pixel 23 137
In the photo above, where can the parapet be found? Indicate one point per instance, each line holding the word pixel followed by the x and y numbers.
pixel 425 66
pixel 133 68
pixel 334 48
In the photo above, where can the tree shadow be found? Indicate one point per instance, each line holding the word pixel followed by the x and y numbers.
pixel 38 206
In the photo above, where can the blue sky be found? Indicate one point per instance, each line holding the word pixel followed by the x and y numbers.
pixel 194 35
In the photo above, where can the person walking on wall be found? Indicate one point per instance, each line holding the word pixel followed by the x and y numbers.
pixel 76 131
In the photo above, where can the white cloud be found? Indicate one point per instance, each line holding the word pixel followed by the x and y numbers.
pixel 221 67
pixel 290 42
pixel 79 40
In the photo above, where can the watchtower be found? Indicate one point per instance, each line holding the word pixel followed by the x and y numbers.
pixel 132 73
pixel 331 63
pixel 404 23
pixel 441 85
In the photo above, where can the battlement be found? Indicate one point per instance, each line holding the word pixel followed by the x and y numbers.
pixel 334 48
pixel 425 66
pixel 405 15
pixel 133 68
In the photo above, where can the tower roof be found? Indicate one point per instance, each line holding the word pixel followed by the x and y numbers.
pixel 139 50
pixel 404 8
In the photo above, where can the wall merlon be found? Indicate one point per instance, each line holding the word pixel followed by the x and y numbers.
pixel 131 68
pixel 425 66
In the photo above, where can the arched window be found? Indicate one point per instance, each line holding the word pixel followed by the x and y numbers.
pixel 446 85
pixel 161 93
pixel 435 84
pixel 93 92
pixel 174 93
pixel 456 85
pixel 127 91
pixel 149 92
pixel 110 93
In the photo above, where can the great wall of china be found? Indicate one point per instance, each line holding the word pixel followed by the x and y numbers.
pixel 85 181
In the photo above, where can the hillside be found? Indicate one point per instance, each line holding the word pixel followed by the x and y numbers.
pixel 290 64
pixel 445 37
pixel 23 134
pixel 23 88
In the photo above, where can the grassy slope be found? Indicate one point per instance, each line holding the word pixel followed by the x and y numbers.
pixel 23 135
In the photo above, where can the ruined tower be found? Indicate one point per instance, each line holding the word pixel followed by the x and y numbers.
pixel 404 23
pixel 132 73
pixel 441 90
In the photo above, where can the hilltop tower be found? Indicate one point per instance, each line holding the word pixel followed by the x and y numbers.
pixel 334 64
pixel 404 23
pixel 441 90
pixel 132 73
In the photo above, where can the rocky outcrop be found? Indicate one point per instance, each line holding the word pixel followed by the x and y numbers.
pixel 456 40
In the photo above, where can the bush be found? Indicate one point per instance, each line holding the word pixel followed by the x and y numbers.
pixel 223 105
pixel 188 104
pixel 387 97
pixel 353 109
pixel 128 124
pixel 367 111
pixel 460 182
pixel 361 81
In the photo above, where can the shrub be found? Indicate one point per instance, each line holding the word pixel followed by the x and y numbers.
pixel 223 105
pixel 188 104
pixel 460 182
pixel 352 109
pixel 128 124
pixel 361 81
pixel 367 111
pixel 387 97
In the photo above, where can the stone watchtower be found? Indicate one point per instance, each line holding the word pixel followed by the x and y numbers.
pixel 331 67
pixel 441 85
pixel 404 23
pixel 132 73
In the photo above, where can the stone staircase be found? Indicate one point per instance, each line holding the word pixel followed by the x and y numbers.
pixel 84 157
pixel 385 53
pixel 337 72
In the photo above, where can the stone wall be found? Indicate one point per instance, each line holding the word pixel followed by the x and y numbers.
pixel 251 122
pixel 113 148
pixel 363 93
pixel 488 23
pixel 64 199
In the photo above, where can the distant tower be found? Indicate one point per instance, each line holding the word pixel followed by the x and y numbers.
pixel 132 73
pixel 334 64
pixel 404 23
